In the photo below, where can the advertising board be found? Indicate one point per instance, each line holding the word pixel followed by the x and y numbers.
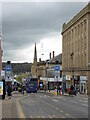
pixel 1 88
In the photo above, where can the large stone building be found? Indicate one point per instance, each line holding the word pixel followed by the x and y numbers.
pixel 0 56
pixel 76 50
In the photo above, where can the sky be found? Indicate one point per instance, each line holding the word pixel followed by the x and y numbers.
pixel 27 23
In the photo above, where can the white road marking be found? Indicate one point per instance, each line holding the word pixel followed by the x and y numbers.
pixel 67 114
pixel 61 98
pixel 61 111
pixel 49 116
pixel 83 101
pixel 63 116
pixel 85 104
pixel 74 101
pixel 55 100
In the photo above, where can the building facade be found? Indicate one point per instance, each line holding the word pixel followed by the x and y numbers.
pixel 0 57
pixel 34 65
pixel 76 50
pixel 45 70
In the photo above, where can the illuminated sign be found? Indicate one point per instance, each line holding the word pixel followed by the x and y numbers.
pixel 1 88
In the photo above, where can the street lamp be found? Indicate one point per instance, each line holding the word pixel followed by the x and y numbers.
pixel 72 67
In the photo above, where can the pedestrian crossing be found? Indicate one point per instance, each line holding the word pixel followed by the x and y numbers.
pixel 48 116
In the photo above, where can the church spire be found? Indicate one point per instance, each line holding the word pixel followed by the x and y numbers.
pixel 35 54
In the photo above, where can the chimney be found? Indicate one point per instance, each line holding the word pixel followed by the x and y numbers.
pixel 50 55
pixel 39 59
pixel 53 54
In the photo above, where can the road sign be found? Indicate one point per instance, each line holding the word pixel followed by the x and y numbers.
pixel 8 70
pixel 2 73
pixel 57 68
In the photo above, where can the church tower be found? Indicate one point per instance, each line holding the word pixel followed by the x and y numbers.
pixel 34 65
pixel 35 54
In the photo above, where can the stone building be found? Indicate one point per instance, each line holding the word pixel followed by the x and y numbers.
pixel 76 50
pixel 44 69
pixel 34 65
pixel 0 56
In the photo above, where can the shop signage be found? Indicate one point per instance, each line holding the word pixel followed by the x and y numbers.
pixel 75 77
pixel 68 77
pixel 83 77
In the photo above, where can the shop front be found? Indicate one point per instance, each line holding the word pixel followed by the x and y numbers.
pixel 77 83
pixel 68 78
pixel 83 84
pixel 64 82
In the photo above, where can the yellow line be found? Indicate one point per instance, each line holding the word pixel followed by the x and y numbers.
pixel 20 111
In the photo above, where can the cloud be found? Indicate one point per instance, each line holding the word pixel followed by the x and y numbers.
pixel 26 23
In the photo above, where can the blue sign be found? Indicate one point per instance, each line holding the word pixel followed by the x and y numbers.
pixel 8 68
pixel 57 68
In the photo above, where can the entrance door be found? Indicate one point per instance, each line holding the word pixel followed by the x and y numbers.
pixel 82 87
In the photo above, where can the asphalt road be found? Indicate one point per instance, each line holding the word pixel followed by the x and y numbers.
pixel 41 105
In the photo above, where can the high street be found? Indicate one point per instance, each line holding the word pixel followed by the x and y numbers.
pixel 46 105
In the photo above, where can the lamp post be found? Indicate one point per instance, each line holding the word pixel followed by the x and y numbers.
pixel 72 67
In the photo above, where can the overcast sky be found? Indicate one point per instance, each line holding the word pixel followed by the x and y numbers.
pixel 23 24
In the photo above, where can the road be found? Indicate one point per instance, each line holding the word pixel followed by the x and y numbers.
pixel 41 105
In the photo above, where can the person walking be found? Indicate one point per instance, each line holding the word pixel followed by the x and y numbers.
pixel 9 90
pixel 75 89
pixel 22 88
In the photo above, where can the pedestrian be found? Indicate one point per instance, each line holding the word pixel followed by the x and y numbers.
pixel 9 90
pixel 75 89
pixel 69 90
pixel 22 88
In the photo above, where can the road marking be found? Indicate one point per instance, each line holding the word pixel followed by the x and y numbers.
pixel 38 116
pixel 31 116
pixel 83 101
pixel 42 116
pixel 84 104
pixel 53 115
pixel 67 114
pixel 49 116
pixel 74 101
pixel 61 111
pixel 56 108
pixel 55 100
pixel 63 116
pixel 20 111
pixel 61 98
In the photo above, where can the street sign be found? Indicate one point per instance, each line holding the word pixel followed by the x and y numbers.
pixel 2 73
pixel 57 72
pixel 8 70
pixel 57 68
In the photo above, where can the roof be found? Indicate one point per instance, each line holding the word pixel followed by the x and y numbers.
pixel 57 58
pixel 76 17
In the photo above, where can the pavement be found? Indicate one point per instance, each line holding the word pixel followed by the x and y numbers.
pixel 65 94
